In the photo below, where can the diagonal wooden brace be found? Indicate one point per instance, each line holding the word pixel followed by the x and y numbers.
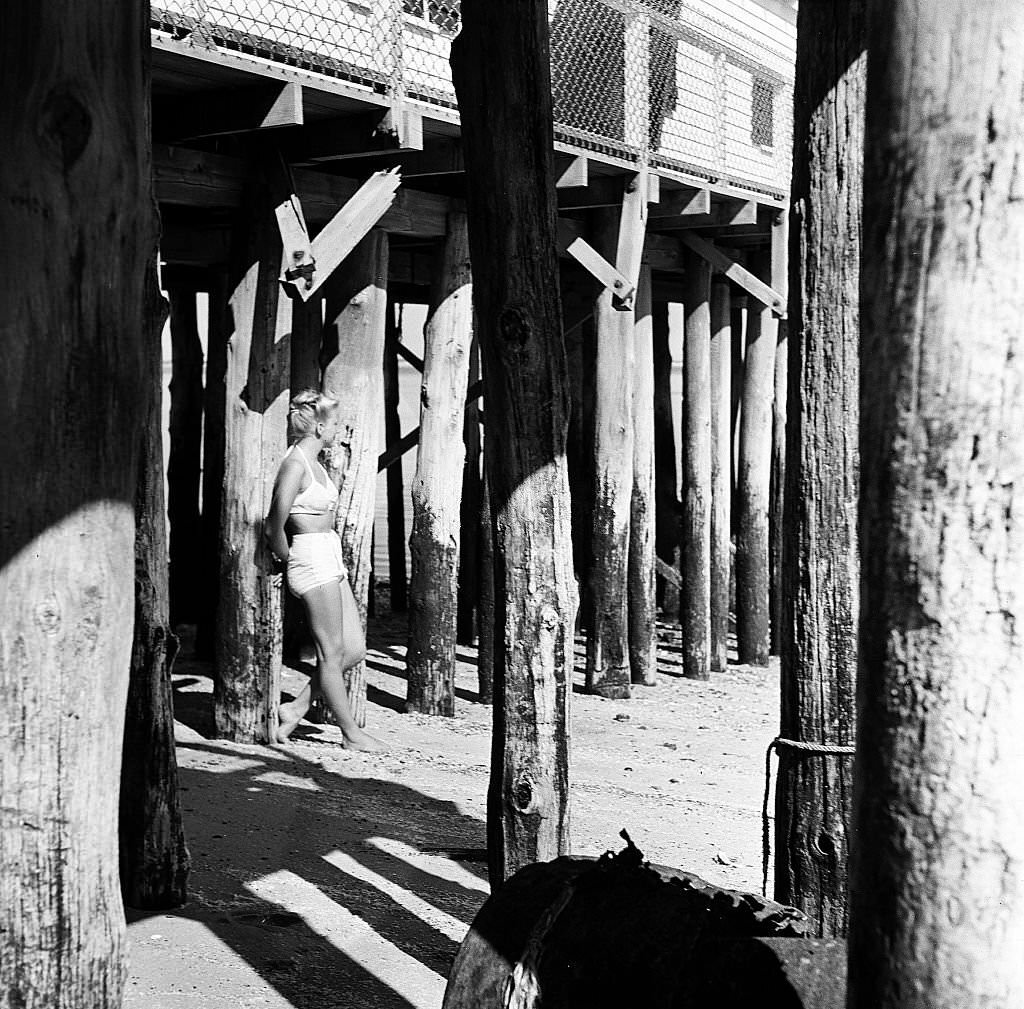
pixel 599 267
pixel 309 264
pixel 724 263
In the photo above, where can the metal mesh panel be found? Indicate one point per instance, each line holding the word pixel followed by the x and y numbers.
pixel 700 86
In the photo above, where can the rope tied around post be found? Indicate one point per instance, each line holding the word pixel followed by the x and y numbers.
pixel 799 746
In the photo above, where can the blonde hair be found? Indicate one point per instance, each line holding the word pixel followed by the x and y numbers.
pixel 307 409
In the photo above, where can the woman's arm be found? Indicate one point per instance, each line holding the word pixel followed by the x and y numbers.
pixel 286 487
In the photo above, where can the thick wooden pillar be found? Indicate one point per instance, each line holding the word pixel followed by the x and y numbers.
pixel 214 404
pixel 307 330
pixel 466 621
pixel 485 652
pixel 183 461
pixel 937 883
pixel 357 300
pixel 577 292
pixel 153 858
pixel 777 473
pixel 436 489
pixel 394 477
pixel 666 454
pixel 504 96
pixel 753 631
pixel 249 615
pixel 721 463
pixel 820 565
pixel 79 241
pixel 643 641
pixel 695 596
pixel 607 671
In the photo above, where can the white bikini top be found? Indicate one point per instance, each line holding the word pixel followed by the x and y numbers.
pixel 317 498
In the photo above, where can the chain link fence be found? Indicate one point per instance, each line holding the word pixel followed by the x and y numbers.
pixel 678 84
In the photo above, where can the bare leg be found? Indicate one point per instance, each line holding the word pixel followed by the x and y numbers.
pixel 334 621
pixel 289 715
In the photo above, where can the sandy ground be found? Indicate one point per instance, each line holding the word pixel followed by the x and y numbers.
pixel 323 878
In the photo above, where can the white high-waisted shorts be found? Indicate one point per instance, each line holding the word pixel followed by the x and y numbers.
pixel 314 559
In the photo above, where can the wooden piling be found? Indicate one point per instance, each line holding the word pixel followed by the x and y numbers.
pixel 214 404
pixel 183 459
pixel 752 622
pixel 248 638
pixel 607 672
pixel 937 873
pixel 356 299
pixel 397 575
pixel 504 93
pixel 666 473
pixel 153 857
pixel 466 620
pixel 643 658
pixel 695 596
pixel 721 463
pixel 777 474
pixel 437 486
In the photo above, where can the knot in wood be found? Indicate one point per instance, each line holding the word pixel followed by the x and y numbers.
pixel 524 795
pixel 514 325
pixel 48 615
pixel 66 125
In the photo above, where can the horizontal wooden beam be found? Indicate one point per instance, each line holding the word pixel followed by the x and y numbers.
pixel 605 191
pixel 731 213
pixel 723 263
pixel 235 110
pixel 190 178
pixel 382 131
pixel 662 252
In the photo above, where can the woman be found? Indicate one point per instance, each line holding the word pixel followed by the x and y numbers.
pixel 300 532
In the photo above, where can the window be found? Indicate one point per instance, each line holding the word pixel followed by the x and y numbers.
pixel 762 113
pixel 442 14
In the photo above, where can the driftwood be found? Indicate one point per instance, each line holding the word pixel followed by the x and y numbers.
pixel 617 932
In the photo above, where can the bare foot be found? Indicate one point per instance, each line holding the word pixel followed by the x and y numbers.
pixel 287 719
pixel 356 739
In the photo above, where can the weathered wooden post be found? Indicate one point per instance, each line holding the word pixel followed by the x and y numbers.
pixel 399 586
pixel 183 460
pixel 666 479
pixel 248 638
pixel 504 97
pixel 607 671
pixel 485 651
pixel 695 547
pixel 214 405
pixel 307 330
pixel 577 291
pixel 721 477
pixel 813 792
pixel 466 620
pixel 752 623
pixel 937 883
pixel 777 473
pixel 74 185
pixel 643 641
pixel 356 299
pixel 437 486
pixel 153 858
